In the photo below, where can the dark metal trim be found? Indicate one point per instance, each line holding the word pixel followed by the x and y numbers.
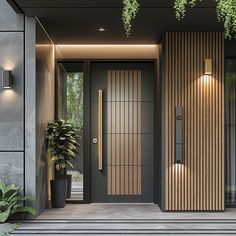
pixel 87 112
pixel 24 102
pixel 157 135
pixel 15 6
pixel 86 132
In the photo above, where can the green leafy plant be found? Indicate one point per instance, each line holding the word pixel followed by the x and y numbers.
pixel 180 7
pixel 62 142
pixel 130 9
pixel 8 228
pixel 11 201
pixel 226 13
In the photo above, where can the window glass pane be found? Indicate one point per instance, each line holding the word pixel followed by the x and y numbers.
pixel 70 86
pixel 74 112
pixel 230 129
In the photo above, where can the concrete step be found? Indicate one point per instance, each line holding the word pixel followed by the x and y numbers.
pixel 127 227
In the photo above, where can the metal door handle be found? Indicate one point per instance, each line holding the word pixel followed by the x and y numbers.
pixel 100 138
pixel 95 140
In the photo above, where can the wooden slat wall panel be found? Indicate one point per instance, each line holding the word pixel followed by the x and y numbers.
pixel 197 184
pixel 124 132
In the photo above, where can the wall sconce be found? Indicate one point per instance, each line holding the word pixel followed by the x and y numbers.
pixel 178 135
pixel 208 66
pixel 6 79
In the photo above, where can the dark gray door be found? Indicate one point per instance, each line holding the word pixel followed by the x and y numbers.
pixel 122 131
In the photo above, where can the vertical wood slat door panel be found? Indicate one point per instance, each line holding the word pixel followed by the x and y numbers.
pixel 124 132
pixel 198 184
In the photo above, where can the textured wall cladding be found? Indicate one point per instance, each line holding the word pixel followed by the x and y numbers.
pixel 11 100
pixel 11 167
pixel 197 184
pixel 9 19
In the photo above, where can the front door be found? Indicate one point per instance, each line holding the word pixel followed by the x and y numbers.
pixel 122 131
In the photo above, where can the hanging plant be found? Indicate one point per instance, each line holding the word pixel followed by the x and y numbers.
pixel 180 7
pixel 226 13
pixel 130 9
pixel 225 9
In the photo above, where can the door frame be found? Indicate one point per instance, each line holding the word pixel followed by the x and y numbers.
pixel 87 121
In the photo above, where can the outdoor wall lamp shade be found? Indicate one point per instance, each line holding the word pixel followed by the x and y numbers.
pixel 208 66
pixel 6 79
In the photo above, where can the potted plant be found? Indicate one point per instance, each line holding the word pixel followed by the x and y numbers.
pixel 12 202
pixel 62 144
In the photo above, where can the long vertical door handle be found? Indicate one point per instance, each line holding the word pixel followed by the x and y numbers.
pixel 100 128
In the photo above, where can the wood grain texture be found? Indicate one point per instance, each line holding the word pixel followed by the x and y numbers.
pixel 124 132
pixel 197 184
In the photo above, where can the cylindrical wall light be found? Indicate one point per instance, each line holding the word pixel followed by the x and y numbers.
pixel 208 66
pixel 6 79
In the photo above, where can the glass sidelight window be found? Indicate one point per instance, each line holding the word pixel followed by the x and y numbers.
pixel 230 129
pixel 70 87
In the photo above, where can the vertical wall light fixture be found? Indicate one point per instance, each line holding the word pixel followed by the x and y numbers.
pixel 178 135
pixel 208 66
pixel 6 79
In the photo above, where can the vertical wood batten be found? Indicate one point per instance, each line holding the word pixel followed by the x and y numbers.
pixel 213 125
pixel 166 83
pixel 223 121
pixel 199 183
pixel 124 132
pixel 185 121
pixel 181 102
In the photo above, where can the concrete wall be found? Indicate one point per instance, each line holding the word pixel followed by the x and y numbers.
pixel 26 108
pixel 12 100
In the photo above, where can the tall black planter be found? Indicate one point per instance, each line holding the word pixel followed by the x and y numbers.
pixel 68 189
pixel 58 192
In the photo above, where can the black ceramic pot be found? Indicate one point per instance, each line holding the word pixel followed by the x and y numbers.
pixel 58 192
pixel 68 188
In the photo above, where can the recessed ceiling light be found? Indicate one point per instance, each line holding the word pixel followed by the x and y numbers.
pixel 101 29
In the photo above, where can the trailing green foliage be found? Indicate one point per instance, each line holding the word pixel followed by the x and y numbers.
pixel 130 9
pixel 62 142
pixel 180 7
pixel 11 201
pixel 226 13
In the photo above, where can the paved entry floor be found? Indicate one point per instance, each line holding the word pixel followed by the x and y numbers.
pixel 128 219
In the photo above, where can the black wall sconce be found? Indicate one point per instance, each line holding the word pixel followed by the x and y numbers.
pixel 178 135
pixel 208 66
pixel 6 79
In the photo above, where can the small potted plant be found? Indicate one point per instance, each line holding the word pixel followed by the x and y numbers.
pixel 12 202
pixel 62 144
